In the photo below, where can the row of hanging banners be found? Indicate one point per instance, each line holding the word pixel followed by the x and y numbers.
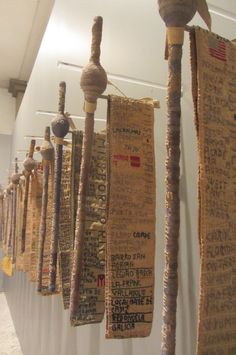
pixel 115 273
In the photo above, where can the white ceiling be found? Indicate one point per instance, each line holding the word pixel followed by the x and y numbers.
pixel 22 25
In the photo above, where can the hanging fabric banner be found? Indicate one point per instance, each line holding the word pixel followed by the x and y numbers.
pixel 69 182
pixel 91 302
pixel 28 229
pixel 44 282
pixel 9 224
pixel 6 262
pixel 19 221
pixel 131 218
pixel 214 95
pixel 65 231
pixel 5 213
pixel 36 183
pixel 7 266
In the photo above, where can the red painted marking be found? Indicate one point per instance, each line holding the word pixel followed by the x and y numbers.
pixel 217 49
pixel 135 161
pixel 101 281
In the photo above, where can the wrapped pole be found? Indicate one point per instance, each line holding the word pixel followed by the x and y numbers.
pixel 9 243
pixel 29 165
pixel 6 216
pixel 15 179
pixel 60 128
pixel 176 14
pixel 93 83
pixel 47 152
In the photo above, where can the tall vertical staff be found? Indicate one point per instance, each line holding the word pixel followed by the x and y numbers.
pixel 60 128
pixel 15 179
pixel 29 165
pixel 176 15
pixel 9 243
pixel 47 152
pixel 93 83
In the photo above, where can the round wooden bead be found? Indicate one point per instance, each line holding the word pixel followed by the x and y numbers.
pixel 177 13
pixel 15 178
pixel 60 126
pixel 29 164
pixel 9 187
pixel 47 151
pixel 93 81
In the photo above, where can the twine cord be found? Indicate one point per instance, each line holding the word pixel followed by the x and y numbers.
pixel 56 218
pixel 96 40
pixel 81 211
pixel 170 284
pixel 43 224
pixel 62 94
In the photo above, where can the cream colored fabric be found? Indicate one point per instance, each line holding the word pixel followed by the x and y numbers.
pixel 131 218
pixel 214 92
pixel 69 190
pixel 91 302
pixel 35 222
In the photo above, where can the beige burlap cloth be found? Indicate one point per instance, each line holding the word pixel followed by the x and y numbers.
pixel 47 243
pixel 91 302
pixel 35 212
pixel 19 219
pixel 214 93
pixel 5 220
pixel 131 218
pixel 69 190
pixel 28 233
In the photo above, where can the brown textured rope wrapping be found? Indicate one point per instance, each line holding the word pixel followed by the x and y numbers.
pixel 9 244
pixel 93 83
pixel 60 127
pixel 172 201
pixel 6 217
pixel 42 229
pixel 79 237
pixel 56 217
pixel 26 194
pixel 25 205
pixel 14 238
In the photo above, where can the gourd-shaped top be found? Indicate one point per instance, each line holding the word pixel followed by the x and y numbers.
pixel 15 179
pixel 47 149
pixel 94 79
pixel 60 124
pixel 29 163
pixel 177 13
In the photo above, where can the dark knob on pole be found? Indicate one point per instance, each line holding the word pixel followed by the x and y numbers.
pixel 29 163
pixel 60 124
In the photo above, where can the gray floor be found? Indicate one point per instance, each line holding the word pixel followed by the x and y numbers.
pixel 9 343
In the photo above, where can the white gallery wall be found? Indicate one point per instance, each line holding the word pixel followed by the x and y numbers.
pixel 132 53
pixel 7 120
